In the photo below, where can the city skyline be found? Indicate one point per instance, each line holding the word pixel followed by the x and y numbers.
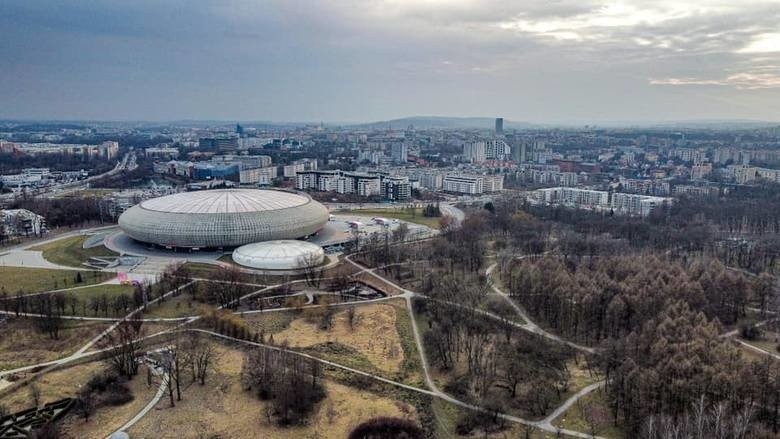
pixel 540 62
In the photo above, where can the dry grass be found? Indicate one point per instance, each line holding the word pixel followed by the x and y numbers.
pixel 22 344
pixel 222 408
pixel 374 335
pixel 270 322
pixel 53 386
pixel 180 306
pixel 768 341
pixel 601 422
pixel 107 419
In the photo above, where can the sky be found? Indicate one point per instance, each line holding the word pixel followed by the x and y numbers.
pixel 550 61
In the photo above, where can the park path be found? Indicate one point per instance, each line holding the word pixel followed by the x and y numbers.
pixel 407 295
pixel 544 424
pixel 530 325
pixel 164 383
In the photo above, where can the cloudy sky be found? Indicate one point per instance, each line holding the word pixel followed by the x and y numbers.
pixel 363 60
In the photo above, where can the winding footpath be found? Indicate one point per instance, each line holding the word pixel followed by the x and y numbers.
pixel 544 424
pixel 408 295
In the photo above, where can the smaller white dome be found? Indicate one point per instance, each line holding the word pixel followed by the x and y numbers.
pixel 279 255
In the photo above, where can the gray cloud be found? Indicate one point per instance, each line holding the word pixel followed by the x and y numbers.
pixel 375 59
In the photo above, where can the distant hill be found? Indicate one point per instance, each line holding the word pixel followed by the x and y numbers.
pixel 444 122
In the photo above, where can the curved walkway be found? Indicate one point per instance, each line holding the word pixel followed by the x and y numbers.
pixel 432 390
pixel 544 424
pixel 530 325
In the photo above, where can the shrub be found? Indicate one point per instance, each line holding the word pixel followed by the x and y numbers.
pixel 387 428
pixel 750 331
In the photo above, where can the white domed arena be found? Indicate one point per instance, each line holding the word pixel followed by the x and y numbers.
pixel 223 218
pixel 279 255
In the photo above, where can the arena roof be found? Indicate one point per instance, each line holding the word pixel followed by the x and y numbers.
pixel 225 201
pixel 223 218
pixel 279 255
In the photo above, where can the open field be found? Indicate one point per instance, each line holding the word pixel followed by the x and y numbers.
pixel 53 386
pixel 70 251
pixel 107 419
pixel 384 352
pixel 411 367
pixel 404 214
pixel 85 296
pixel 767 341
pixel 180 306
pixel 22 344
pixel 271 322
pixel 222 408
pixel 590 414
pixel 36 280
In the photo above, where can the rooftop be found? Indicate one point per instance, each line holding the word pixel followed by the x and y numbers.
pixel 225 201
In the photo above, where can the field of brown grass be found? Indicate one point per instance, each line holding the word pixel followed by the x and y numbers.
pixel 108 419
pixel 53 386
pixel 22 344
pixel 373 335
pixel 222 408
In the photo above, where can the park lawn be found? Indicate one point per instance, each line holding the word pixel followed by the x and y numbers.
pixel 411 368
pixel 404 214
pixel 55 385
pixel 85 295
pixel 25 345
pixel 180 306
pixel 222 408
pixel 751 355
pixel 271 322
pixel 373 335
pixel 36 280
pixel 70 251
pixel 601 415
pixel 108 419
pixel 200 269
pixel 447 416
pixel 766 342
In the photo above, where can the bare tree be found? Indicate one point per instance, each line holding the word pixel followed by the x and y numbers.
pixel 200 357
pixel 123 347
pixel 35 395
pixel 311 266
pixel 351 317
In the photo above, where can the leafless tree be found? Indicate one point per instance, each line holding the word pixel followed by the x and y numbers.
pixel 312 269
pixel 35 395
pixel 351 317
pixel 200 357
pixel 123 347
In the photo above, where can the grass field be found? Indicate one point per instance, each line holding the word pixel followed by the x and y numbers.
pixel 29 346
pixel 766 342
pixel 36 280
pixel 271 322
pixel 179 306
pixel 70 251
pixel 410 371
pixel 85 295
pixel 385 352
pixel 107 419
pixel 222 408
pixel 601 422
pixel 405 214
pixel 53 386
